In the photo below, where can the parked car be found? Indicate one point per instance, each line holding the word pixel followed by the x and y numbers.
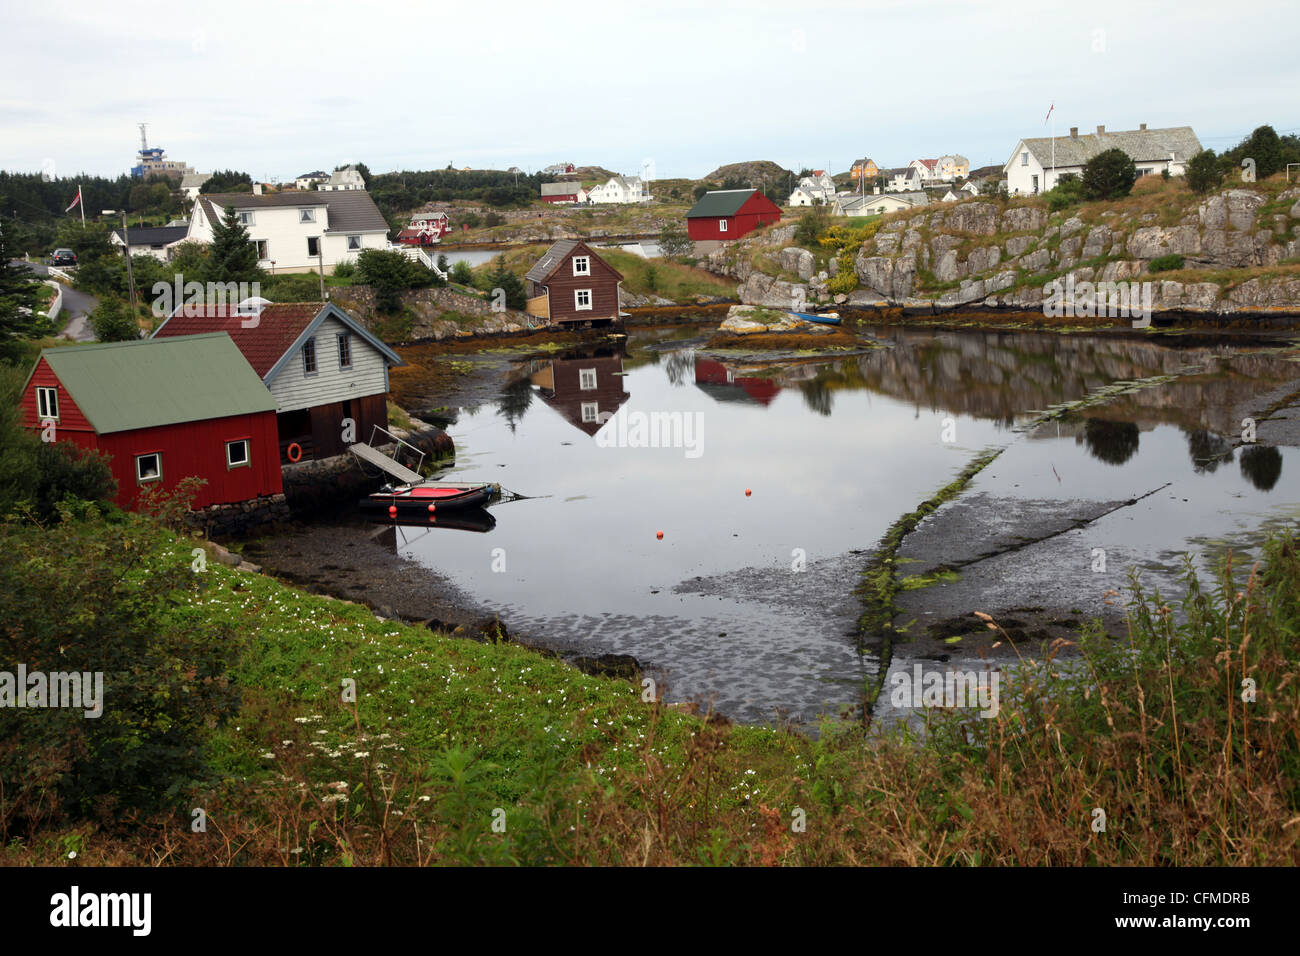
pixel 63 257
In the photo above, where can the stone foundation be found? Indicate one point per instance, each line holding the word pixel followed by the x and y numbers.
pixel 240 516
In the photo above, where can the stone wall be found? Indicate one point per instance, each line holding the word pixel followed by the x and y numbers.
pixel 429 306
pixel 241 516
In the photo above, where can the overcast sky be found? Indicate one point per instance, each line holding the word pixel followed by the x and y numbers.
pixel 279 87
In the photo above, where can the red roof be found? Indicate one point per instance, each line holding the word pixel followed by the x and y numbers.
pixel 929 163
pixel 278 327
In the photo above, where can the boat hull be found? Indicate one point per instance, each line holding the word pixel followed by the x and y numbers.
pixel 814 317
pixel 416 502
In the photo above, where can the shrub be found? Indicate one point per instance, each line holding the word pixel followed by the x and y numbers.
pixel 113 322
pixel 493 219
pixel 1204 173
pixel 345 269
pixel 811 226
pixel 1166 263
pixel 390 274
pixel 1109 175
pixel 462 273
pixel 1067 192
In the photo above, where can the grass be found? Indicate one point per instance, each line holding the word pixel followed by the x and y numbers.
pixel 363 741
pixel 397 417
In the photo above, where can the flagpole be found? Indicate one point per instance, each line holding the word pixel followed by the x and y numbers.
pixel 82 206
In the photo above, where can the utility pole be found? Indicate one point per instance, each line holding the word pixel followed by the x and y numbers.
pixel 320 260
pixel 126 240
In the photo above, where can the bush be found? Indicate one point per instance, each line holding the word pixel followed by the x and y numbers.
pixel 292 287
pixel 390 274
pixel 113 322
pixel 345 269
pixel 812 225
pixel 1166 263
pixel 1109 175
pixel 112 598
pixel 1067 192
pixel 493 219
pixel 462 273
pixel 1204 173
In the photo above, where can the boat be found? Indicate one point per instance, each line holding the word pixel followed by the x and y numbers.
pixel 825 318
pixel 464 519
pixel 427 499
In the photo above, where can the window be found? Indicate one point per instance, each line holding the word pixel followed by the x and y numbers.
pixel 237 453
pixel 306 215
pixel 722 225
pixel 590 412
pixel 354 243
pixel 581 266
pixel 263 249
pixel 313 245
pixel 1024 159
pixel 47 404
pixel 587 379
pixel 245 218
pixel 1142 171
pixel 309 357
pixel 582 298
pixel 345 350
pixel 148 467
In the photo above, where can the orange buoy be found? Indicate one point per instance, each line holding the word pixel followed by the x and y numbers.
pixel 432 508
pixel 748 492
pixel 659 535
pixel 392 511
pixel 294 451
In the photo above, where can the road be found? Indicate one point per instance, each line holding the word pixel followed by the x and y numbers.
pixel 76 306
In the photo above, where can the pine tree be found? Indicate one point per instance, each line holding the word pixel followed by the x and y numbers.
pixel 233 257
pixel 19 300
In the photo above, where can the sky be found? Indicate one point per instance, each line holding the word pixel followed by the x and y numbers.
pixel 277 88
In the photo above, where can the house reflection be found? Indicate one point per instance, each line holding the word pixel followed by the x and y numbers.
pixel 723 385
pixel 587 389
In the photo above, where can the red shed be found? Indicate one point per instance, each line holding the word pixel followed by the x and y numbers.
pixel 571 284
pixel 163 410
pixel 730 214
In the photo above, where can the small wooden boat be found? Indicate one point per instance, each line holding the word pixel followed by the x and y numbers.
pixel 423 500
pixel 464 519
pixel 825 318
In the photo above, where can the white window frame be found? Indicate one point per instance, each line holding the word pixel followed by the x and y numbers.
pixel 309 347
pixel 318 252
pixel 139 478
pixel 590 412
pixel 1024 159
pixel 345 345
pixel 577 300
pixel 306 215
pixel 586 265
pixel 354 243
pixel 722 225
pixel 248 454
pixel 246 217
pixel 586 384
pixel 45 394
pixel 263 250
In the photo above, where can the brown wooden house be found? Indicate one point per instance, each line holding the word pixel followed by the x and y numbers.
pixel 571 285
pixel 587 391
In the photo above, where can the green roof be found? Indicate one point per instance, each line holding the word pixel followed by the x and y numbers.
pixel 120 386
pixel 720 202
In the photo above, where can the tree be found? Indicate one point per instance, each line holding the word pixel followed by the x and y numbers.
pixel 364 170
pixel 699 191
pixel 390 274
pixel 1109 175
pixel 502 278
pixel 113 322
pixel 674 240
pixel 462 273
pixel 228 181
pixel 1203 172
pixel 1265 148
pixel 232 257
pixel 493 219
pixel 18 300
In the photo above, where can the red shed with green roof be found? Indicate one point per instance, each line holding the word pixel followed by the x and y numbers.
pixel 163 410
pixel 730 214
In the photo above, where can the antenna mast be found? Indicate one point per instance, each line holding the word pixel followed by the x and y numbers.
pixel 144 143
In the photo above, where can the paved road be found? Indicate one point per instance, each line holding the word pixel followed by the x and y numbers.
pixel 76 305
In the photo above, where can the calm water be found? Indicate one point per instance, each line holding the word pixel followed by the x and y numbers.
pixel 747 599
pixel 477 257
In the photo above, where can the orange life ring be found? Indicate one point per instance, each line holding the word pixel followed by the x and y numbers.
pixel 294 447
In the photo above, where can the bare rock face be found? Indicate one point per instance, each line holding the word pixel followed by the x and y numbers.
pixel 799 261
pixel 1234 208
pixel 1016 245
pixel 980 218
pixel 887 243
pixel 892 278
pixel 984 259
pixel 948 268
pixel 1071 226
pixel 1098 239
pixel 1150 242
pixel 1069 248
pixel 774 293
pixel 1021 218
pixel 941 244
pixel 911 241
pixel 1121 271
pixel 1037 260
pixel 971 290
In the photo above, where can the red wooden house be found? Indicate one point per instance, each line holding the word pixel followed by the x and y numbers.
pixel 425 229
pixel 571 284
pixel 163 410
pixel 730 214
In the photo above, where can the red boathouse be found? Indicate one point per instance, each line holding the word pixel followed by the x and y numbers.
pixel 730 214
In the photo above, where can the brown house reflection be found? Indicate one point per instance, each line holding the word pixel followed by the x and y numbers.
pixel 722 384
pixel 587 390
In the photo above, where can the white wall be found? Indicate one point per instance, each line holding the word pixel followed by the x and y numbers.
pixel 368 375
pixel 286 237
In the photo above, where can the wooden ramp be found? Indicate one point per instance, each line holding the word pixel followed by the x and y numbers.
pixel 382 461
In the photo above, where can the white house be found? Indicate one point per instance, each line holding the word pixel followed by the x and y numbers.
pixel 295 231
pixel 308 180
pixel 951 167
pixel 565 191
pixel 804 197
pixel 878 204
pixel 620 189
pixel 191 183
pixel 905 180
pixel 342 180
pixel 156 241
pixel 1038 163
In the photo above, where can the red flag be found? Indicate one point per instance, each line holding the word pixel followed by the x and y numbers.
pixel 75 201
pixel 1049 112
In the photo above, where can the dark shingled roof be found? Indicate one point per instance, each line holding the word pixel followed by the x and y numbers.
pixel 153 235
pixel 720 202
pixel 547 263
pixel 1143 145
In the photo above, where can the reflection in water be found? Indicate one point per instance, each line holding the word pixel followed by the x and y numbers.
pixel 1111 442
pixel 1208 451
pixel 722 384
pixel 1262 465
pixel 515 400
pixel 585 386
pixel 817 396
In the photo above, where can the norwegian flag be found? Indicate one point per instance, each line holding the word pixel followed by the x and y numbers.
pixel 1049 112
pixel 76 202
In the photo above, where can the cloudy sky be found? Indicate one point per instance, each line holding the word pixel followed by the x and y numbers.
pixel 280 87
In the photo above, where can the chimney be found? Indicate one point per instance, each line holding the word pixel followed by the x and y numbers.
pixel 1142 126
pixel 1100 130
pixel 257 189
pixel 1074 132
